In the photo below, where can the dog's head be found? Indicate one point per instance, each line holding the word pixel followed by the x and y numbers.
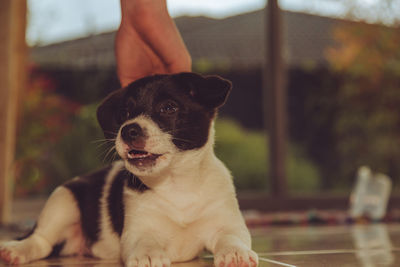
pixel 157 117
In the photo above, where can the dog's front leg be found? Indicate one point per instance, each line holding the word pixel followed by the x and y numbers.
pixel 233 249
pixel 143 252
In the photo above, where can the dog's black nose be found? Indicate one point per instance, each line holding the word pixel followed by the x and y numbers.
pixel 131 132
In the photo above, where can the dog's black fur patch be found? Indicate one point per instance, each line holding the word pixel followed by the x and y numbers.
pixel 27 234
pixel 115 203
pixel 195 99
pixel 57 248
pixel 134 183
pixel 115 198
pixel 87 191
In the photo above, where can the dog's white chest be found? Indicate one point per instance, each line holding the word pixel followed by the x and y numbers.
pixel 175 217
pixel 181 208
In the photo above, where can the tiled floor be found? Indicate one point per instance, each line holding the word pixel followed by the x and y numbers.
pixel 355 245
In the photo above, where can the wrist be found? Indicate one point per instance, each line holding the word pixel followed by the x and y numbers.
pixel 137 10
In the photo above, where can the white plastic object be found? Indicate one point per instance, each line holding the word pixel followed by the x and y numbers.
pixel 370 195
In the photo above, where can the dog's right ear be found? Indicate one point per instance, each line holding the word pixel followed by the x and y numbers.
pixel 107 113
pixel 211 90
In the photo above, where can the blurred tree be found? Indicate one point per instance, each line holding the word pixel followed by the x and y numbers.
pixel 348 114
pixel 46 117
pixel 367 123
pixel 373 11
pixel 313 107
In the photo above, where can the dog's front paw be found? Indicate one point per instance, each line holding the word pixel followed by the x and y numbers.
pixel 148 259
pixel 12 252
pixel 236 257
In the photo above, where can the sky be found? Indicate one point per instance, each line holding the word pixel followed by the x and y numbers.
pixel 52 21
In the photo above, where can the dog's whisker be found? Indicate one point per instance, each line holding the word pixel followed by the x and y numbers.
pixel 105 144
pixel 108 153
pixel 112 133
pixel 104 140
pixel 104 148
pixel 115 155
pixel 112 155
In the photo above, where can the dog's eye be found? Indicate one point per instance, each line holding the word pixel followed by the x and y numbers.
pixel 122 115
pixel 169 108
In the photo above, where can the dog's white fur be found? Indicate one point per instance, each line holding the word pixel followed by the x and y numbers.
pixel 192 205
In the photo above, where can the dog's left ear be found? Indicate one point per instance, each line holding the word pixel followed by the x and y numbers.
pixel 210 91
pixel 107 112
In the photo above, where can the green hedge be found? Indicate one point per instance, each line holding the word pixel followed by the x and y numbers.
pixel 245 153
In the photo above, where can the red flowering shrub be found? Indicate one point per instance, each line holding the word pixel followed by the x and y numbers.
pixel 45 118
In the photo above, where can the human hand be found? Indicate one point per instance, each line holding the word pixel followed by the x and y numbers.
pixel 148 41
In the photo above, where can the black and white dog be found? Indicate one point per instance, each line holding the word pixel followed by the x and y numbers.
pixel 165 201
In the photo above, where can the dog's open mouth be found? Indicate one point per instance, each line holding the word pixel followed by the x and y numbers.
pixel 142 158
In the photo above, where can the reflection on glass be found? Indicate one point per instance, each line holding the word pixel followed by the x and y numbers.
pixel 373 245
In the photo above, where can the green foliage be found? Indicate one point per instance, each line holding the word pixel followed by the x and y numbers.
pixel 367 124
pixel 81 151
pixel 55 139
pixel 245 154
pixel 203 65
pixel 45 163
pixel 46 117
pixel 347 114
pixel 302 173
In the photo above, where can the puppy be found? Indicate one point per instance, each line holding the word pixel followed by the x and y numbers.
pixel 166 200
